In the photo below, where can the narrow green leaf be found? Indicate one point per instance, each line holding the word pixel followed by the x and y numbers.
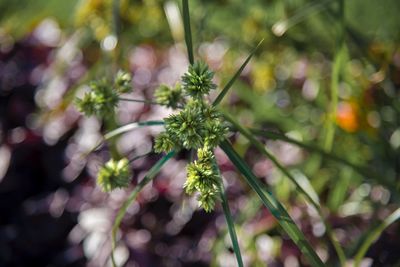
pixel 121 130
pixel 188 31
pixel 237 74
pixel 145 101
pixel 305 183
pixel 131 126
pixel 229 219
pixel 121 213
pixel 338 62
pixel 231 228
pixel 309 194
pixel 309 147
pixel 280 27
pixel 374 235
pixel 264 151
pixel 362 170
pixel 275 207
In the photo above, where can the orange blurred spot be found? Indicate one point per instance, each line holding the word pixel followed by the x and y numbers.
pixel 347 117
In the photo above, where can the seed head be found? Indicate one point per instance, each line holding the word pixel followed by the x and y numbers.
pixel 170 97
pixel 198 80
pixel 203 178
pixel 123 82
pixel 114 174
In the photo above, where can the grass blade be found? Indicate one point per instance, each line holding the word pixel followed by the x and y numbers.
pixel 275 207
pixel 362 170
pixel 231 228
pixel 237 74
pixel 229 220
pixel 131 126
pixel 311 148
pixel 121 213
pixel 309 196
pixel 374 235
pixel 264 151
pixel 125 128
pixel 188 31
pixel 338 62
pixel 280 27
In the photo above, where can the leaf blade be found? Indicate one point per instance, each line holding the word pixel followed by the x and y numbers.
pixel 234 77
pixel 308 194
pixel 274 160
pixel 131 126
pixel 229 219
pixel 188 31
pixel 275 207
pixel 374 235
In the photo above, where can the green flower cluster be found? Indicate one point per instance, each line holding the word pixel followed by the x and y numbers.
pixel 114 174
pixel 102 98
pixel 123 82
pixel 203 178
pixel 198 80
pixel 170 97
pixel 197 126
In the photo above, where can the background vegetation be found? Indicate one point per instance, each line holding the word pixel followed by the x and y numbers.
pixel 321 93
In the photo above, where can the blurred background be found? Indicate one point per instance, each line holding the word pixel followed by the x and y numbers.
pixel 53 214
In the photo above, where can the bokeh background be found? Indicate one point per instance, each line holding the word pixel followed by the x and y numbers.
pixel 53 214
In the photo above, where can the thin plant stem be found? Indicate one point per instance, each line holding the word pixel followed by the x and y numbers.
pixel 140 156
pixel 273 205
pixel 116 30
pixel 330 125
pixel 151 174
pixel 235 76
pixel 146 101
pixel 228 217
pixel 374 234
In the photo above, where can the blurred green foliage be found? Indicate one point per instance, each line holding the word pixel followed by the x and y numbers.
pixel 287 87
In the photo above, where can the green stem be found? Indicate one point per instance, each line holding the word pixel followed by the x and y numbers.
pixel 116 28
pixel 110 124
pixel 121 213
pixel 139 101
pixel 229 219
pixel 235 76
pixel 330 125
pixel 140 156
pixel 374 235
pixel 131 126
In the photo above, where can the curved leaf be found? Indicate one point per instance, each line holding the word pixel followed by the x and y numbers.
pixel 129 127
pixel 275 207
pixel 237 74
pixel 374 235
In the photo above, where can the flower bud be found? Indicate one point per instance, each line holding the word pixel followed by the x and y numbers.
pixel 114 174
